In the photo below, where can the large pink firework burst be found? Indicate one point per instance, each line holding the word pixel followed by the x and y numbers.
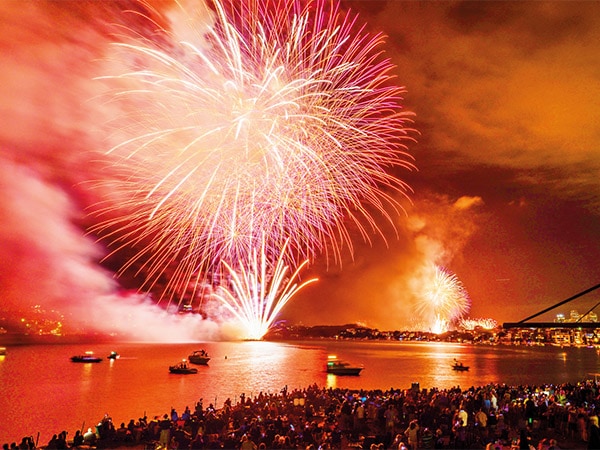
pixel 252 123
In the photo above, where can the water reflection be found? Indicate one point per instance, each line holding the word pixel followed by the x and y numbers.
pixel 86 377
pixel 262 364
pixel 265 351
pixel 140 382
pixel 442 358
pixel 331 381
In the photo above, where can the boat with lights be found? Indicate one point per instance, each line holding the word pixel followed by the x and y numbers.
pixel 87 357
pixel 336 366
pixel 182 368
pixel 199 357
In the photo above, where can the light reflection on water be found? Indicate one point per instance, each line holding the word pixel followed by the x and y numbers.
pixel 42 391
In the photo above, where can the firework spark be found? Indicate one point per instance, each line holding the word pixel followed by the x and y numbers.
pixel 444 300
pixel 485 323
pixel 258 293
pixel 273 118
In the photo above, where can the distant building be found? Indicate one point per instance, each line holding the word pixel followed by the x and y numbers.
pixel 574 316
pixel 561 337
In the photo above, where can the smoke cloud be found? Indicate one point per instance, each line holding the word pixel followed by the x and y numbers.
pixel 50 148
pixel 382 285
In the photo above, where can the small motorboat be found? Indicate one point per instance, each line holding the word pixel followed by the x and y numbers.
pixel 336 366
pixel 113 355
pixel 88 357
pixel 199 357
pixel 182 368
pixel 459 366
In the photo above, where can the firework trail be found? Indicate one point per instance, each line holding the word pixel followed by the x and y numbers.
pixel 275 118
pixel 259 293
pixel 444 300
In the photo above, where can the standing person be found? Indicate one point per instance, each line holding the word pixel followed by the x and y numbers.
pixel 524 441
pixel 594 433
pixel 346 416
pixel 61 442
pixel 427 439
pixel 481 420
pixel 165 431
pixel 493 400
pixel 391 418
pixel 459 432
pixel 89 437
pixel 582 425
pixel 572 422
pixel 463 415
pixel 398 443
pixel 182 437
pixel 53 442
pixel 24 445
pixel 247 444
pixel 530 410
pixel 412 435
pixel 77 439
pixel 360 418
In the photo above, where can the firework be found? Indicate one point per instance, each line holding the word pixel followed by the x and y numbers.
pixel 259 292
pixel 485 323
pixel 273 118
pixel 444 300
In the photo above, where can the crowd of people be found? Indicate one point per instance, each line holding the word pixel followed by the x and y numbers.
pixel 490 417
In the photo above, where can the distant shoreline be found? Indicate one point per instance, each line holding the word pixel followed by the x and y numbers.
pixel 353 333
pixel 14 339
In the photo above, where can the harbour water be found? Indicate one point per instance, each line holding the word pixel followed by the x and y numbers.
pixel 43 392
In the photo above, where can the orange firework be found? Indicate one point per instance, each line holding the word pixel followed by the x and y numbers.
pixel 444 300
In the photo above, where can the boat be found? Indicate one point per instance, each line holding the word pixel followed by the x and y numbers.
pixel 182 368
pixel 88 357
pixel 459 366
pixel 336 366
pixel 199 357
pixel 113 355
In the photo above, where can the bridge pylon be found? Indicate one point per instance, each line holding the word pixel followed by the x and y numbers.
pixel 525 324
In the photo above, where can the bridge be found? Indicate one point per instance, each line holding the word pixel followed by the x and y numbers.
pixel 577 324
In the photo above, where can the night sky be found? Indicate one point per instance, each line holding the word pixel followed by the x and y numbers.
pixel 506 96
pixel 506 196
